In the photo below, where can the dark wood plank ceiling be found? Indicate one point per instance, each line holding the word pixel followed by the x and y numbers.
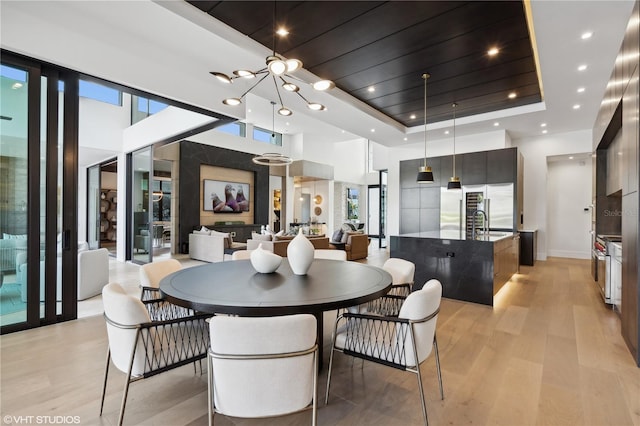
pixel 388 45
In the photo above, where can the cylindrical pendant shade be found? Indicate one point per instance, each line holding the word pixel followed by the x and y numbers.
pixel 425 175
pixel 454 183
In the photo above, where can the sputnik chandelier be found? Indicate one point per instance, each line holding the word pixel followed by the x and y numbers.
pixel 279 69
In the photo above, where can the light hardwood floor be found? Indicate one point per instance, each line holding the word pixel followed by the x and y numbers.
pixel 549 352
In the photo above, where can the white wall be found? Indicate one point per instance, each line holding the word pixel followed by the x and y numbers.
pixel 568 195
pixel 535 152
pixel 169 122
pixel 100 124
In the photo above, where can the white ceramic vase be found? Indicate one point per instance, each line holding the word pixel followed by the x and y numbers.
pixel 300 254
pixel 264 261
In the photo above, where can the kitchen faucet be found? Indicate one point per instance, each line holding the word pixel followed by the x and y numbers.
pixel 473 222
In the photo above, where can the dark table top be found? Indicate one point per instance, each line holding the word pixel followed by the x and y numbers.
pixel 234 287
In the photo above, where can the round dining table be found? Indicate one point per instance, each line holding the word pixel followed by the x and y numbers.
pixel 234 287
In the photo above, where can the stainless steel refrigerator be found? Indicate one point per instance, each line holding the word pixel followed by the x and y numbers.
pixel 457 208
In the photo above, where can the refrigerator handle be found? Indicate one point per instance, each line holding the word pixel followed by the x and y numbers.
pixel 460 216
pixel 488 213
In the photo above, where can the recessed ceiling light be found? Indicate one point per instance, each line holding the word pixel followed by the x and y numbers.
pixel 249 110
pixel 287 123
pixel 580 89
pixel 576 106
pixel 493 51
pixel 544 132
pixel 282 32
pixel 543 124
pixel 586 35
pixel 571 158
pixel 343 131
pixel 371 89
pixel 405 139
pixel 373 130
pixel 446 132
pixel 496 124
pixel 512 95
pixel 582 67
pixel 412 116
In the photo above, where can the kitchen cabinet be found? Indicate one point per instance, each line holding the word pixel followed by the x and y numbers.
pixel 528 247
pixel 501 165
pixel 474 165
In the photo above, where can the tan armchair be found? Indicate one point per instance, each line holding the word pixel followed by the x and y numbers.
pixel 357 246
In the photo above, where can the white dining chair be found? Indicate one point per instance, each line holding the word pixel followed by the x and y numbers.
pixel 143 343
pixel 402 272
pixel 150 275
pixel 262 366
pixel 401 340
pixel 241 254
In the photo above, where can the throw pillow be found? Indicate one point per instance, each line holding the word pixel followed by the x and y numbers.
pixel 345 237
pixel 227 237
pixel 337 236
pixel 201 232
pixel 205 229
pixel 279 233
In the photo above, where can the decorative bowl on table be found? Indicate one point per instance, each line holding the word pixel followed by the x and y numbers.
pixel 264 261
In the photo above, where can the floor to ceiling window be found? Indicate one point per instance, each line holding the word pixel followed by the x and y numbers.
pixel 38 154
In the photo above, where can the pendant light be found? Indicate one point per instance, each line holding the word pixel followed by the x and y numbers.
pixel 454 181
pixel 425 175
pixel 272 158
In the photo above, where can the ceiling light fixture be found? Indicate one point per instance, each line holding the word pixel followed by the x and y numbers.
pixel 425 174
pixel 496 124
pixel 512 95
pixel 543 124
pixel 279 69
pixel 580 89
pixel 454 181
pixel 493 51
pixel 586 35
pixel 576 106
pixel 582 67
pixel 272 158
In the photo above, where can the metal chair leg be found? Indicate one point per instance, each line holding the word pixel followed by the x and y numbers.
pixel 326 398
pixel 416 360
pixel 124 399
pixel 106 374
pixel 435 347
pixel 210 388
pixel 314 415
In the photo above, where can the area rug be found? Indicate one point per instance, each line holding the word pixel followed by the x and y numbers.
pixel 10 300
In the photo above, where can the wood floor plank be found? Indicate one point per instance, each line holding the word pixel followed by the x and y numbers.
pixel 519 393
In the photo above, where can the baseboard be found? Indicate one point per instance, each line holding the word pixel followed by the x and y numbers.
pixel 569 254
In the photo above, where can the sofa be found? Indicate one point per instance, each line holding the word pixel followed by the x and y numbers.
pixel 93 274
pixel 211 246
pixel 279 244
pixel 10 246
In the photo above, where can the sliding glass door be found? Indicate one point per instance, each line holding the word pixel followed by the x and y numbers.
pixel 141 237
pixel 38 203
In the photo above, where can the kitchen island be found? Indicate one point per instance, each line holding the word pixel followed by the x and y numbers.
pixel 473 270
